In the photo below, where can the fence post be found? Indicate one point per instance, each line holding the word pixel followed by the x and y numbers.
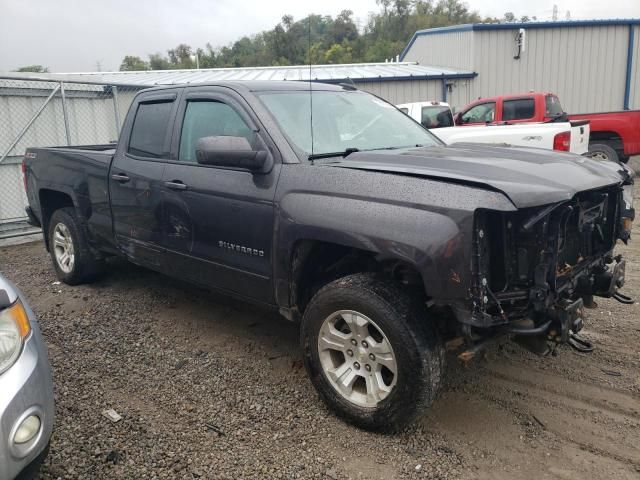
pixel 29 123
pixel 116 110
pixel 65 114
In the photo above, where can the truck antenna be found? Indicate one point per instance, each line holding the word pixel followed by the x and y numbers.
pixel 310 90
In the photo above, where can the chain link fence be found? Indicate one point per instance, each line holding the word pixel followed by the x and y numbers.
pixel 39 113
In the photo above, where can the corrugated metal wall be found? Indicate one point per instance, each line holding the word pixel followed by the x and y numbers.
pixel 404 91
pixel 585 66
pixel 453 50
pixel 461 92
pixel 634 94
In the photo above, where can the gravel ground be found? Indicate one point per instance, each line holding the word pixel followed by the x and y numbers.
pixel 212 388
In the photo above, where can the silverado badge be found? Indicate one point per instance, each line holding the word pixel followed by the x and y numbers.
pixel 241 249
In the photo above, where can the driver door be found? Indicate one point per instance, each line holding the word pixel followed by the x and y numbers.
pixel 481 114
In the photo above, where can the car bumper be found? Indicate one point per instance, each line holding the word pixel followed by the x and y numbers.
pixel 26 389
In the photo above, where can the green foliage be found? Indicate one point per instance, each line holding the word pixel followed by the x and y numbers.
pixel 133 63
pixel 158 62
pixel 33 68
pixel 322 39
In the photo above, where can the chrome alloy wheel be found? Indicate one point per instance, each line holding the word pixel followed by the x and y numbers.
pixel 63 248
pixel 357 358
pixel 600 156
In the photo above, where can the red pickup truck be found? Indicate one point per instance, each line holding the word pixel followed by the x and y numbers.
pixel 614 135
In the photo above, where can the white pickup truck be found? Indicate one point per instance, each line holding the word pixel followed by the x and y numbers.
pixel 563 136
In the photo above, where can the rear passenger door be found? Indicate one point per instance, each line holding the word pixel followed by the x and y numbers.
pixel 135 178
pixel 219 220
pixel 518 110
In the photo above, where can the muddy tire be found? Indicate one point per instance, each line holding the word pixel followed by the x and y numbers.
pixel 603 152
pixel 371 352
pixel 72 258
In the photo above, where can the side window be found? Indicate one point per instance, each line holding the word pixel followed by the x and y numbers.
pixel 208 118
pixel 483 113
pixel 436 117
pixel 520 109
pixel 149 129
pixel 404 110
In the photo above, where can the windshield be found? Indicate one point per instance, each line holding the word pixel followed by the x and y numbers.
pixel 343 120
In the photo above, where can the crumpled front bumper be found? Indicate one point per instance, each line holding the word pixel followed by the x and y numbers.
pixel 26 389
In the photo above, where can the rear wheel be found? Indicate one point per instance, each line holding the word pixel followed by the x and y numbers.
pixel 603 152
pixel 371 351
pixel 72 258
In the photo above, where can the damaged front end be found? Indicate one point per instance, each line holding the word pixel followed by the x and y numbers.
pixel 535 270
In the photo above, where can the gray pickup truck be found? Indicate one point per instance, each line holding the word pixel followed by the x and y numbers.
pixel 333 207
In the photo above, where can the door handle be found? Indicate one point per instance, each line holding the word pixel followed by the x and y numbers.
pixel 120 177
pixel 175 185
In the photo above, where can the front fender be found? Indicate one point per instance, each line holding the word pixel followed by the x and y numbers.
pixel 426 223
pixel 434 244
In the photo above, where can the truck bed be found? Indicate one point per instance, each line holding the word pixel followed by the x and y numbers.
pixel 79 172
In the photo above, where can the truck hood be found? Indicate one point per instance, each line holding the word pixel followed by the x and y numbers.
pixel 528 176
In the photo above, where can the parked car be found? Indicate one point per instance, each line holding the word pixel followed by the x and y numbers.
pixel 614 135
pixel 561 136
pixel 26 389
pixel 380 239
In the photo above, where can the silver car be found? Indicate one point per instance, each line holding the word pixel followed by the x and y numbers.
pixel 26 389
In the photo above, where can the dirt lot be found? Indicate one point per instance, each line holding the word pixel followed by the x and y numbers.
pixel 211 388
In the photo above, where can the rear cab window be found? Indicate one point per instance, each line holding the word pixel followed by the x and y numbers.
pixel 552 105
pixel 436 116
pixel 518 109
pixel 149 130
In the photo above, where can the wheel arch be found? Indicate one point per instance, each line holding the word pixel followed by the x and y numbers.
pixel 50 201
pixel 608 137
pixel 314 263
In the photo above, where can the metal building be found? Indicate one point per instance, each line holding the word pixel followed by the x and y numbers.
pixel 397 82
pixel 593 65
pixel 82 108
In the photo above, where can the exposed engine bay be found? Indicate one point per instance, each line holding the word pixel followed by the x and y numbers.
pixel 536 270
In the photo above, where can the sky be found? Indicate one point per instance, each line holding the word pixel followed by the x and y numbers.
pixel 82 35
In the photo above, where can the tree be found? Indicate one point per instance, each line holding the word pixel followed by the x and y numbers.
pixel 322 38
pixel 158 62
pixel 132 63
pixel 343 27
pixel 33 68
pixel 181 56
pixel 338 53
pixel 509 17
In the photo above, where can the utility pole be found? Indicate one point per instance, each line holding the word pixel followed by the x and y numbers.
pixel 568 15
pixel 98 66
pixel 555 13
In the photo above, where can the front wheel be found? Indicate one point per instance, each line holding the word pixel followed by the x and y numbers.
pixel 371 352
